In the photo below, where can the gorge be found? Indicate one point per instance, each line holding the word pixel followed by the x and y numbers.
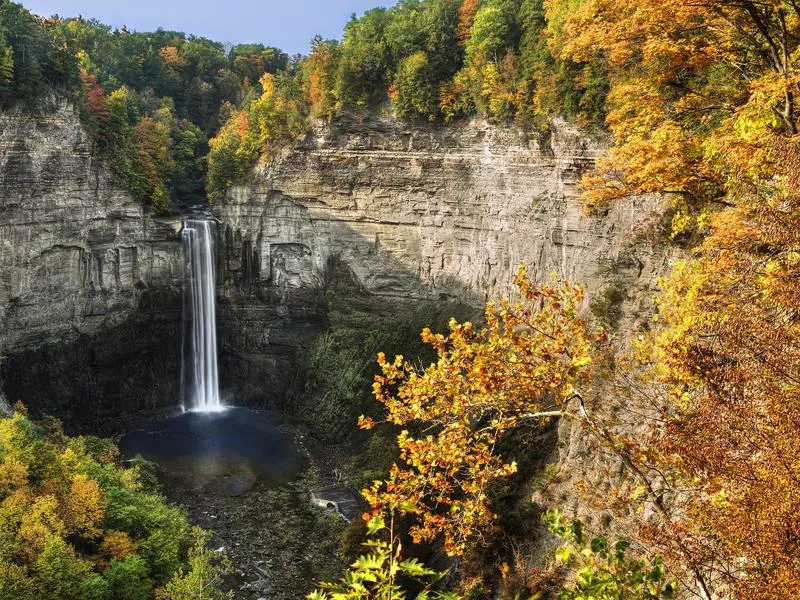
pixel 405 216
pixel 513 280
pixel 357 228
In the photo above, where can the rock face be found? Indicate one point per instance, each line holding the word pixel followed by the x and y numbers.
pixel 90 284
pixel 425 214
pixel 360 222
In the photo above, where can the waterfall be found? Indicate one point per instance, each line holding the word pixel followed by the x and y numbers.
pixel 199 373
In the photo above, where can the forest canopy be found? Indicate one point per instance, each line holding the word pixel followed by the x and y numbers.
pixel 76 525
pixel 150 101
pixel 179 116
pixel 701 99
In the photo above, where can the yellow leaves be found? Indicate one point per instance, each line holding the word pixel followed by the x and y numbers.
pixel 719 499
pixel 84 507
pixel 580 361
pixel 171 58
pixel 38 524
pixel 13 476
pixel 702 137
pixel 637 492
pixel 681 224
pixel 267 82
pixel 482 384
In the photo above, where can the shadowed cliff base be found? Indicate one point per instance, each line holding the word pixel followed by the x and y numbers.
pixel 92 381
pixel 306 340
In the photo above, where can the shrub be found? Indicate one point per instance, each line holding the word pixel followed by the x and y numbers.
pixel 74 524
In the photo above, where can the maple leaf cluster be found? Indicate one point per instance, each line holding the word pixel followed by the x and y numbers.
pixel 526 363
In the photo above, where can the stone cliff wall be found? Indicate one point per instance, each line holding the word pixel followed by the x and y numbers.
pixel 421 214
pixel 89 282
pixel 360 224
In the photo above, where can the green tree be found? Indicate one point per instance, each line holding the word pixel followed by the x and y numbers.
pixel 128 578
pixel 364 61
pixel 95 587
pixel 251 61
pixel 15 583
pixel 429 26
pixel 493 31
pixel 200 579
pixel 6 70
pixel 59 572
pixel 414 93
pixel 153 162
pixel 604 571
pixel 73 524
pixel 188 146
pixel 226 163
pixel 382 573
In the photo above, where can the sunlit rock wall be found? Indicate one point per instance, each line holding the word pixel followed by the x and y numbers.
pixel 89 282
pixel 425 213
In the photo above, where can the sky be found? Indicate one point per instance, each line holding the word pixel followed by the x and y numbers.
pixel 287 24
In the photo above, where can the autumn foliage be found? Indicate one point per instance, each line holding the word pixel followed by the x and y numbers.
pixel 700 92
pixel 703 108
pixel 74 525
pixel 271 119
pixel 526 364
pixel 466 18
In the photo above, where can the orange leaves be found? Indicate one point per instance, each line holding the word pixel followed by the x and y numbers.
pixel 13 476
pixel 172 59
pixel 241 123
pixel 94 103
pixel 728 357
pixel 531 354
pixel 466 17
pixel 366 422
pixel 84 507
pixel 693 92
pixel 117 544
pixel 703 106
pixel 321 76
pixel 732 349
pixel 152 157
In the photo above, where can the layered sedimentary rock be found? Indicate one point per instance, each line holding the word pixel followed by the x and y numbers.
pixel 89 282
pixel 427 214
pixel 367 220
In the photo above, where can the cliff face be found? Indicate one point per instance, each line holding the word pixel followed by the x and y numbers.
pixel 417 215
pixel 89 283
pixel 360 227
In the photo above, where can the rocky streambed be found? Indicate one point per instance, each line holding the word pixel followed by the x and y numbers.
pixel 248 478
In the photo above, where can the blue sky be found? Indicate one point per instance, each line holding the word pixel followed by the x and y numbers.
pixel 288 24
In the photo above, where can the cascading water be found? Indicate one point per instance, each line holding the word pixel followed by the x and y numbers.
pixel 199 376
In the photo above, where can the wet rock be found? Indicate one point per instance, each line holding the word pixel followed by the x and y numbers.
pixel 239 484
pixel 279 543
pixel 338 498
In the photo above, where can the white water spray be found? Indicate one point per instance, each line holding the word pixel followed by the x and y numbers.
pixel 199 370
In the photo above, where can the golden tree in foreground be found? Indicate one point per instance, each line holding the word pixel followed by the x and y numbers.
pixel 527 363
pixel 704 108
